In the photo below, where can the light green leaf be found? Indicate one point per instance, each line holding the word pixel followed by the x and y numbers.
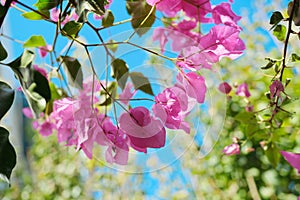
pixel 280 32
pixel 35 16
pixel 35 41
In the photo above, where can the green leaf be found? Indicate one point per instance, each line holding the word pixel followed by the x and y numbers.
pixel 85 6
pixel 71 29
pixel 3 52
pixel 35 16
pixel 112 47
pixel 46 4
pixel 35 41
pixel 74 72
pixel 280 32
pixel 2 10
pixel 140 82
pixel 33 83
pixel 7 97
pixel 269 65
pixel 98 6
pixel 8 157
pixel 120 72
pixel 273 154
pixel 112 89
pixel 294 57
pixel 276 18
pixel 108 19
pixel 139 10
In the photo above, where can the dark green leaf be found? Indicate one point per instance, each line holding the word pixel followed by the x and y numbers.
pixel 35 41
pixel 74 72
pixel 273 154
pixel 280 32
pixel 276 18
pixel 3 53
pixel 120 72
pixel 7 98
pixel 140 82
pixel 295 57
pixel 108 19
pixel 2 10
pixel 46 4
pixel 85 6
pixel 42 85
pixel 35 16
pixel 269 65
pixel 139 10
pixel 71 29
pixel 8 157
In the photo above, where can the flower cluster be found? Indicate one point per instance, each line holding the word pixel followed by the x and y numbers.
pixel 78 121
pixel 198 50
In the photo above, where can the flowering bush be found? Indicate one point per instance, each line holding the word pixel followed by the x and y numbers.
pixel 87 111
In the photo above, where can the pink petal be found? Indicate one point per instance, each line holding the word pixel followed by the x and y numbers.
pixel 292 158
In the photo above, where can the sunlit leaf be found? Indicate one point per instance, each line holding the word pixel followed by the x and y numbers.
pixel 36 16
pixel 35 41
pixel 280 32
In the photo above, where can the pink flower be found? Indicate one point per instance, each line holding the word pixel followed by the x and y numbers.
pixel 170 106
pixel 143 130
pixel 232 149
pixel 55 16
pixel 292 158
pixel 196 9
pixel 168 7
pixel 127 93
pixel 160 34
pixel 193 85
pixel 243 90
pixel 43 51
pixel 224 88
pixel 223 41
pixel 117 151
pixel 194 58
pixel 223 14
pixel 276 88
pixel 249 108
